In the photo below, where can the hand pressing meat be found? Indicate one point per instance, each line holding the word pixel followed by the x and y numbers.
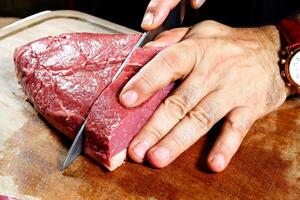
pixel 111 126
pixel 225 72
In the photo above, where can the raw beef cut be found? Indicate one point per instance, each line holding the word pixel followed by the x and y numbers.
pixel 63 77
pixel 110 126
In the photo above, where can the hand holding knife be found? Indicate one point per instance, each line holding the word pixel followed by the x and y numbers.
pixel 174 19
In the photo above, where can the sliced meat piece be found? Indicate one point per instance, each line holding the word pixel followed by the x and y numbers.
pixel 110 126
pixel 62 76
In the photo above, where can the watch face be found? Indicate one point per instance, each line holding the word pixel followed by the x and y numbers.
pixel 294 68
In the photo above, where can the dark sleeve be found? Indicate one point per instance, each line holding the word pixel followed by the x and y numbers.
pixel 245 12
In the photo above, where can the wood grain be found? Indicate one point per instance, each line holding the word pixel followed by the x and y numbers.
pixel 267 166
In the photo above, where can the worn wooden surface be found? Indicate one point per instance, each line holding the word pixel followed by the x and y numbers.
pixel 267 166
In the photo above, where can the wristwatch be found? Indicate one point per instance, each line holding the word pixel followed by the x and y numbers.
pixel 290 54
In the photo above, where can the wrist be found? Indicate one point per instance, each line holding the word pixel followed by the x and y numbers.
pixel 273 41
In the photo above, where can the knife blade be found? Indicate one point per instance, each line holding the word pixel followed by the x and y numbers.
pixel 174 19
pixel 76 147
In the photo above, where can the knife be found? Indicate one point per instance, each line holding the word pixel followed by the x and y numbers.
pixel 174 19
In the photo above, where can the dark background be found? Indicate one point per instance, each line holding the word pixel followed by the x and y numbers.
pixel 130 12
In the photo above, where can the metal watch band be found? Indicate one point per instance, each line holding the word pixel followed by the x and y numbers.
pixel 290 39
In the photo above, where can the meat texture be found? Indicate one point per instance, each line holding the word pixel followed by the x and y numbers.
pixel 110 126
pixel 63 77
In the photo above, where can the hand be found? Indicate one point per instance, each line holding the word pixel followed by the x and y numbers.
pixel 158 10
pixel 224 72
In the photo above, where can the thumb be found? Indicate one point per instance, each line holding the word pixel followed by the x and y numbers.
pixel 196 3
pixel 172 63
pixel 168 37
pixel 156 12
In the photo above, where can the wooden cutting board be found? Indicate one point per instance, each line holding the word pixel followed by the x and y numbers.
pixel 267 166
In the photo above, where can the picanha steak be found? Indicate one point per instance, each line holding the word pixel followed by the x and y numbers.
pixel 63 77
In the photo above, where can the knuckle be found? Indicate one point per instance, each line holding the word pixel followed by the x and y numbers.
pixel 200 45
pixel 213 24
pixel 154 132
pixel 209 23
pixel 178 59
pixel 176 106
pixel 142 81
pixel 203 117
pixel 169 59
pixel 226 148
pixel 193 48
pixel 210 28
pixel 178 141
pixel 240 128
pixel 190 96
pixel 188 46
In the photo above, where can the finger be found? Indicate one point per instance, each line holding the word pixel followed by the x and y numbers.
pixel 174 62
pixel 209 29
pixel 169 113
pixel 156 12
pixel 235 128
pixel 193 126
pixel 168 38
pixel 196 3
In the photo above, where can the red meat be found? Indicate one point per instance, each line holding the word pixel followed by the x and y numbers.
pixel 63 76
pixel 110 126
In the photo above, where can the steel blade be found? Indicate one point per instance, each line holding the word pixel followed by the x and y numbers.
pixel 173 20
pixel 138 44
pixel 76 147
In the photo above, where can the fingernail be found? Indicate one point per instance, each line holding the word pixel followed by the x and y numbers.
pixel 140 150
pixel 198 3
pixel 162 153
pixel 148 19
pixel 218 162
pixel 129 97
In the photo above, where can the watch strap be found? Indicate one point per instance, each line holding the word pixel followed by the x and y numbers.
pixel 290 32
